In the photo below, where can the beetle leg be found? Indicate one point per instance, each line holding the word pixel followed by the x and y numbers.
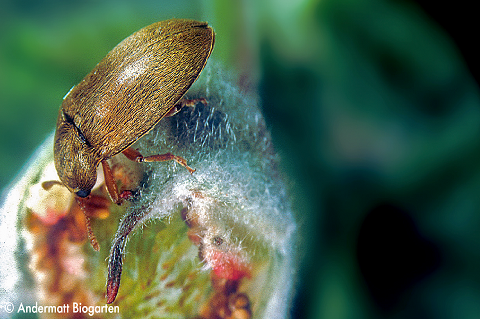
pixel 168 157
pixel 111 184
pixel 132 154
pixel 136 156
pixel 184 102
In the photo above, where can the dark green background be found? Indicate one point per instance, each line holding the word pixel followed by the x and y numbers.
pixel 372 107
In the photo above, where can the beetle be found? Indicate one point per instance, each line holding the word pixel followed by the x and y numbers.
pixel 140 81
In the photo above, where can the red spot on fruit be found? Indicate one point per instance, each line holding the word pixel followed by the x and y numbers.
pixel 228 265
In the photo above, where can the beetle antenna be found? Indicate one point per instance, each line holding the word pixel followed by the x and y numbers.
pixel 91 235
pixel 48 184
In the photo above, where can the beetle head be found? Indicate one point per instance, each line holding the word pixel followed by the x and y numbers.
pixel 75 159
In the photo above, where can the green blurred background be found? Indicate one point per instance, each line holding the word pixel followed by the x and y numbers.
pixel 373 106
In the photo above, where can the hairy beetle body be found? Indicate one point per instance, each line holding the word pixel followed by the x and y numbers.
pixel 125 95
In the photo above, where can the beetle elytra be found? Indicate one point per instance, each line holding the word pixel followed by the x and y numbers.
pixel 139 82
pixel 125 95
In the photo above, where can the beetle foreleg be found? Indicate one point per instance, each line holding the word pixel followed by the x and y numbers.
pixel 112 187
pixel 136 156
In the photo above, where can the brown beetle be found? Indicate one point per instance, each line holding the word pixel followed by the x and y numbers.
pixel 137 84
